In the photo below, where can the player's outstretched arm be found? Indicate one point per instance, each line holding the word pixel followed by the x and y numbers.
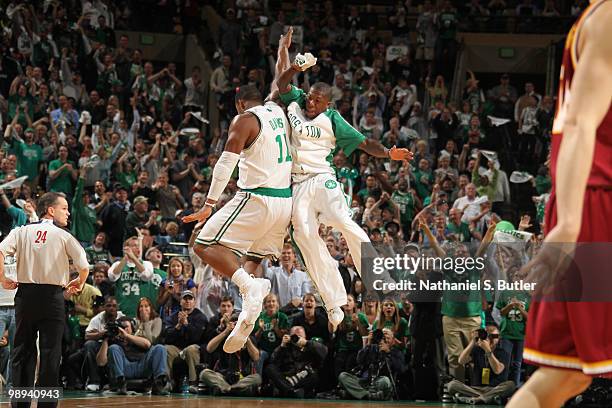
pixel 243 129
pixel 282 58
pixel 285 78
pixel 376 149
pixel 591 95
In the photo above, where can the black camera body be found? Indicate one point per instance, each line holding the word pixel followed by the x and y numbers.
pixel 483 334
pixel 377 336
pixel 98 301
pixel 112 329
pixel 295 338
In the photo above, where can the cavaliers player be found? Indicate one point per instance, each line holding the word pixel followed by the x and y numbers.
pixel 572 341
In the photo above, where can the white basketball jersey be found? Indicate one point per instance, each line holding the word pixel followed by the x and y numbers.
pixel 267 161
pixel 315 141
pixel 312 142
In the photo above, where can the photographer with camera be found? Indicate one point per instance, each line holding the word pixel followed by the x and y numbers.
pixel 489 375
pixel 378 365
pixel 132 356
pixel 293 366
pixel 230 373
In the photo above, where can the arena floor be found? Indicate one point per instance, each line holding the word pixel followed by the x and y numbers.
pixel 84 400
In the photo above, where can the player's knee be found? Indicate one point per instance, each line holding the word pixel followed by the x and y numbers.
pixel 577 382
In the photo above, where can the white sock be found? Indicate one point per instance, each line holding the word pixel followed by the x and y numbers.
pixel 241 279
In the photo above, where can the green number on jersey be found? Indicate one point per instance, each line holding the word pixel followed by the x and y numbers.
pixel 279 140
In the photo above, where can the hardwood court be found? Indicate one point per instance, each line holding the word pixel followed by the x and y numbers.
pixel 83 400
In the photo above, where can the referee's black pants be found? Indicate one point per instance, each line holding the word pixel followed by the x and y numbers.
pixel 38 309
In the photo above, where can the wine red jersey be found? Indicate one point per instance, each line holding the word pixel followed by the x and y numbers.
pixel 601 171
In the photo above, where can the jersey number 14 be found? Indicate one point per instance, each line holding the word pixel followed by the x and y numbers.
pixel 279 140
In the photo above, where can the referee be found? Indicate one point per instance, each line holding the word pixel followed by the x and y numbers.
pixel 43 250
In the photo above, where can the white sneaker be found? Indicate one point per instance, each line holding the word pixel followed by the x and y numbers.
pixel 93 387
pixel 335 316
pixel 252 301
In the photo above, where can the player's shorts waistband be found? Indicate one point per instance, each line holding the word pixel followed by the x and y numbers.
pixel 270 192
pixel 297 178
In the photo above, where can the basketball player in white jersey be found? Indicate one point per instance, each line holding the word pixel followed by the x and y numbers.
pixel 317 132
pixel 254 223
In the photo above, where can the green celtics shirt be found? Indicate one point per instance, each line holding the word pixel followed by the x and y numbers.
pixel 94 256
pixel 269 340
pixel 513 324
pixel 462 303
pixel 84 218
pixel 131 285
pixel 127 179
pixel 349 339
pixel 63 182
pixel 462 231
pixel 405 201
pixel 150 289
pixel 314 141
pixel 423 183
pixel 28 159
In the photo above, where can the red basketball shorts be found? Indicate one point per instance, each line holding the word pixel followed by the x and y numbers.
pixel 576 335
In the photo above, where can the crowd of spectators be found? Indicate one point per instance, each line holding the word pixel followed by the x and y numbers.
pixel 83 113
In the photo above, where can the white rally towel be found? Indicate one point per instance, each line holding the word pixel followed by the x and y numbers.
pixel 498 121
pixel 14 183
pixel 520 177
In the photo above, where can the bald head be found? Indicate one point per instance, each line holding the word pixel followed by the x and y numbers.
pixel 248 93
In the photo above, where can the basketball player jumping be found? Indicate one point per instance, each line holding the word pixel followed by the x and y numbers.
pixel 572 341
pixel 317 132
pixel 254 223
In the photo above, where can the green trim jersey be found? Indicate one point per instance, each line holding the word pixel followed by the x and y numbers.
pixel 314 141
pixel 513 325
pixel 348 337
pixel 267 161
pixel 405 201
pixel 269 340
pixel 130 287
pixel 150 289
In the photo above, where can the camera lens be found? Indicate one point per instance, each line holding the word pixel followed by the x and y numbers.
pixel 482 334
